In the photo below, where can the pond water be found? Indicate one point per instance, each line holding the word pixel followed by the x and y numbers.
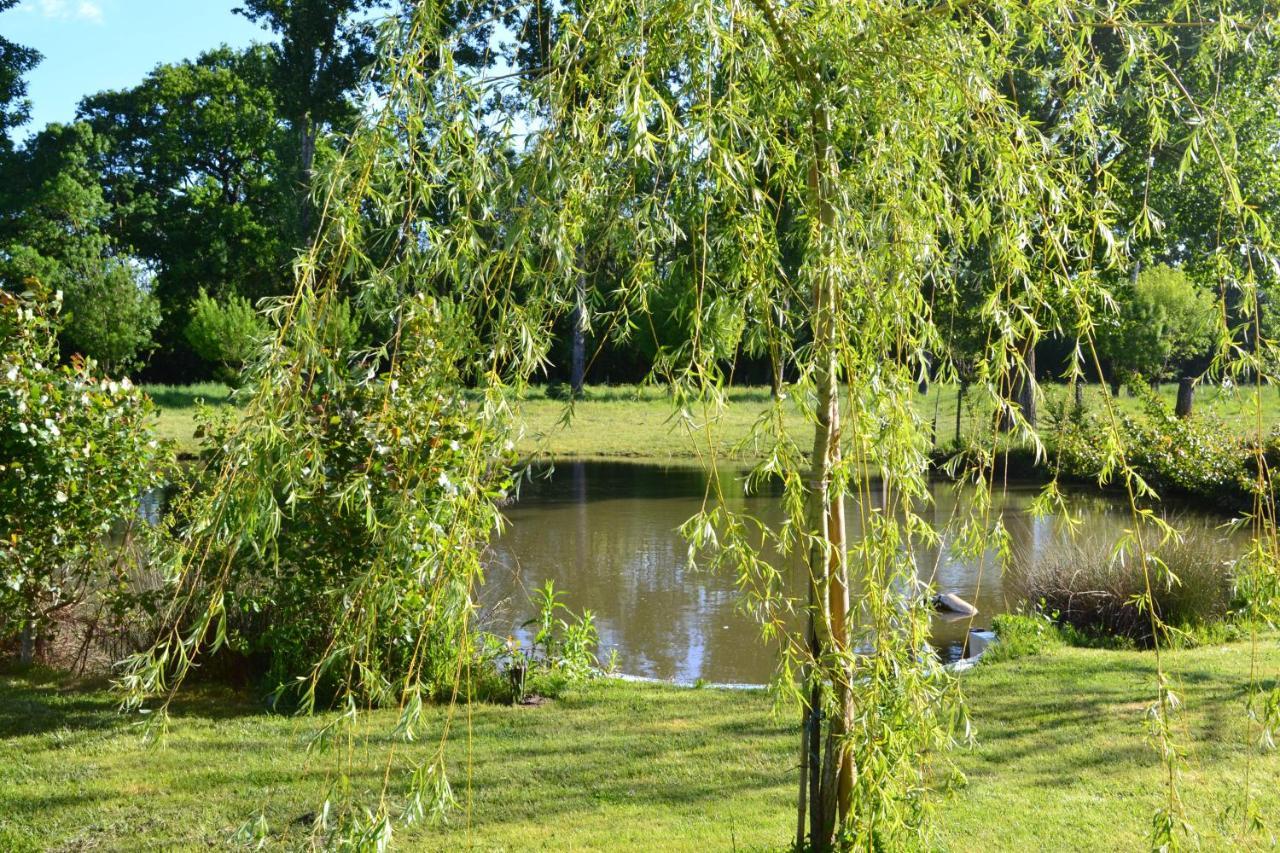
pixel 608 535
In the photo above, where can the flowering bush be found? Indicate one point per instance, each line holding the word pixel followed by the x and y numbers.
pixel 76 454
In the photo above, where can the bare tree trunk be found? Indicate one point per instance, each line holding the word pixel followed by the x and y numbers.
pixel 307 136
pixel 964 389
pixel 1186 397
pixel 578 353
pixel 1078 390
pixel 27 645
pixel 1026 388
pixel 802 803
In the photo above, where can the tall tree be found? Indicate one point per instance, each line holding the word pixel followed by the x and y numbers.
pixel 323 50
pixel 54 222
pixel 196 166
pixel 15 62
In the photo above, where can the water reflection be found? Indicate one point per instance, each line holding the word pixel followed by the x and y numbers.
pixel 607 534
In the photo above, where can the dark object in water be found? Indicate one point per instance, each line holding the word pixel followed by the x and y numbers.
pixel 949 602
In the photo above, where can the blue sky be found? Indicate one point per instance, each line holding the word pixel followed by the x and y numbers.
pixel 91 45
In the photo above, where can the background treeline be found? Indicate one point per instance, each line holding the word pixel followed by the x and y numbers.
pixel 166 212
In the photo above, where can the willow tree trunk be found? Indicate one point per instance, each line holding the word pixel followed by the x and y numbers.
pixel 828 564
pixel 1186 397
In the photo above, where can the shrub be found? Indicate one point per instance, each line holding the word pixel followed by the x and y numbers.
pixel 561 654
pixel 76 454
pixel 363 574
pixel 111 317
pixel 1021 635
pixel 225 334
pixel 1197 456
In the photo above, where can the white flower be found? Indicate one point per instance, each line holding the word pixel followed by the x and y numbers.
pixel 60 496
pixel 125 383
pixel 447 484
pixel 13 373
pixel 52 427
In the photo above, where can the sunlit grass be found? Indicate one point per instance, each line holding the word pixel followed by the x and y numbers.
pixel 1061 763
pixel 641 423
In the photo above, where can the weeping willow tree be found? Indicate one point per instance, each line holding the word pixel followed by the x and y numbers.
pixel 848 167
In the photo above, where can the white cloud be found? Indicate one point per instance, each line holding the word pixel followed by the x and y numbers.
pixel 66 10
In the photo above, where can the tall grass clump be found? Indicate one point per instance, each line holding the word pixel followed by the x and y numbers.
pixel 1100 594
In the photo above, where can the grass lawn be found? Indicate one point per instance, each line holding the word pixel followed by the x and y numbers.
pixel 635 422
pixel 1061 763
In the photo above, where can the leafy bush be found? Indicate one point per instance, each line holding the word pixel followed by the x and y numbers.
pixel 1198 456
pixel 76 454
pixel 225 334
pixel 111 317
pixel 361 574
pixel 1021 635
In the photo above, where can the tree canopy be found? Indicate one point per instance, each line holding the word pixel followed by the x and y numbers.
pixel 15 62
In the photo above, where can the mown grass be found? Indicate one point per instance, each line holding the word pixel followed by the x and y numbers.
pixel 1061 763
pixel 640 422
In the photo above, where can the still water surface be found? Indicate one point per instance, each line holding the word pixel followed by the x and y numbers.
pixel 608 535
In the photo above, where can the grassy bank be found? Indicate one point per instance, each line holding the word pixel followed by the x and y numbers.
pixel 633 422
pixel 1061 763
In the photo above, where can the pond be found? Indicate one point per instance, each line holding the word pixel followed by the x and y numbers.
pixel 607 534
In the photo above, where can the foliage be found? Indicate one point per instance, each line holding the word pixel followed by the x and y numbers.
pixel 357 575
pixel 560 655
pixel 1021 635
pixel 225 334
pixel 15 61
pixel 53 231
pixel 1199 457
pixel 675 131
pixel 76 455
pixel 1163 320
pixel 195 167
pixel 111 317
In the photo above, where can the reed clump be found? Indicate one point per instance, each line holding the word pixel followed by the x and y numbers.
pixel 1093 592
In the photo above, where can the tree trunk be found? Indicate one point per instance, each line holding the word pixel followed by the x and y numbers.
pixel 964 389
pixel 828 566
pixel 578 355
pixel 1186 397
pixel 308 134
pixel 1078 390
pixel 1026 395
pixel 27 645
pixel 1116 385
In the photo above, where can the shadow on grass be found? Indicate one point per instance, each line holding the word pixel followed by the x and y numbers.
pixel 37 701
